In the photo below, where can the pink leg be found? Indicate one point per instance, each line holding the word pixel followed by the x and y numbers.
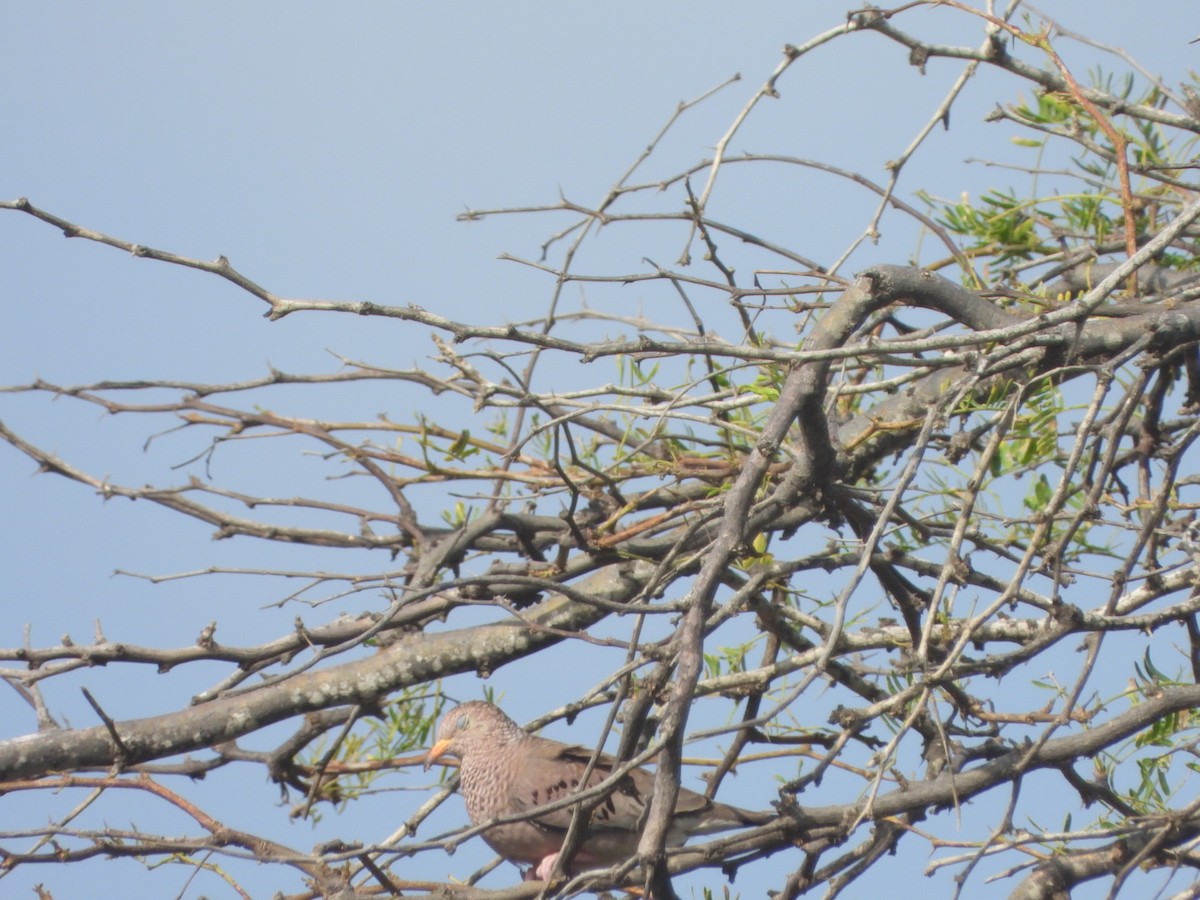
pixel 545 867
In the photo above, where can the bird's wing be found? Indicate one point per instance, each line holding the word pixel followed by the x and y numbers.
pixel 552 771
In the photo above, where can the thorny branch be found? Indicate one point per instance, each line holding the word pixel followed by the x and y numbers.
pixel 915 505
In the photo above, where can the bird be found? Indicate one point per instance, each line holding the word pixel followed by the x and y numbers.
pixel 504 770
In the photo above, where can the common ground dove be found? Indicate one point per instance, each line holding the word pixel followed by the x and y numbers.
pixel 505 771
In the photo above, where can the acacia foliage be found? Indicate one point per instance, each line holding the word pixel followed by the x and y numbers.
pixel 908 539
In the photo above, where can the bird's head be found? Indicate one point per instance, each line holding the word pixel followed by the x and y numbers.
pixel 470 726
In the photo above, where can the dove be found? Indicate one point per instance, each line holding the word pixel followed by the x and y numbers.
pixel 504 771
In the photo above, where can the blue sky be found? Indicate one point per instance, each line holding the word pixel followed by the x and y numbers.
pixel 326 150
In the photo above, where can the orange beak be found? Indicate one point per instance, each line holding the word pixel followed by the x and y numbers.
pixel 435 754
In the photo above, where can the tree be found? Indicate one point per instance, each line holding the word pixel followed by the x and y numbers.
pixel 915 541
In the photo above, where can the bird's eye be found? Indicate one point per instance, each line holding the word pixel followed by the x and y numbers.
pixel 463 723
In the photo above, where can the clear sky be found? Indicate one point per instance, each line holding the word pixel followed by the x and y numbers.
pixel 326 149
